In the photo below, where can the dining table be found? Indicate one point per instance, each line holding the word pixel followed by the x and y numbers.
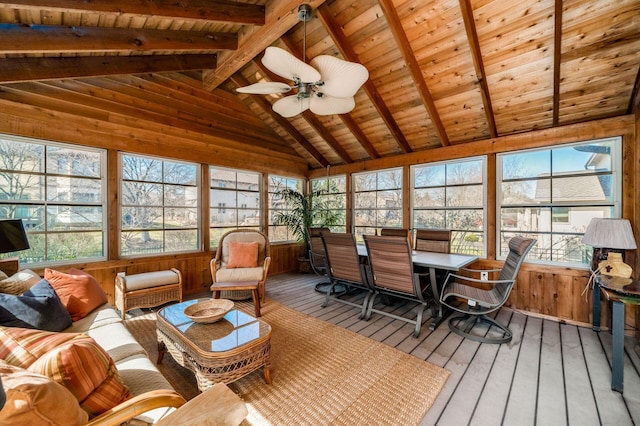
pixel 434 261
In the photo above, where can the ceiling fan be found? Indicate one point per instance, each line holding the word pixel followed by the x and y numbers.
pixel 325 86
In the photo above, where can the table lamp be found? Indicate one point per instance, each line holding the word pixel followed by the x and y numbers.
pixel 12 236
pixel 609 239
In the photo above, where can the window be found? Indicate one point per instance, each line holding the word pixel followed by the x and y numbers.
pixel 450 195
pixel 235 201
pixel 552 195
pixel 159 211
pixel 332 192
pixel 277 204
pixel 59 191
pixel 377 201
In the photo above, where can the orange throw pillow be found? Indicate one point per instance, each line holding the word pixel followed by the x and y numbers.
pixel 78 291
pixel 243 255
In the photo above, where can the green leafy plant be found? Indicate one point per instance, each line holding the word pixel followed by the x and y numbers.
pixel 304 212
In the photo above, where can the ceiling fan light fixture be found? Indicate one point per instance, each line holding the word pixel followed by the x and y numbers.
pixel 326 86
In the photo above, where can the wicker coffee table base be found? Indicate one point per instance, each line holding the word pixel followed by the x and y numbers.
pixel 220 367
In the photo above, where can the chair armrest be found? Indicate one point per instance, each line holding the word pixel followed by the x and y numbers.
pixel 267 263
pixel 214 265
pixel 477 271
pixel 138 405
pixel 475 280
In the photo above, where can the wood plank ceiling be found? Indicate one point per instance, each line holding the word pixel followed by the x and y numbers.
pixel 442 72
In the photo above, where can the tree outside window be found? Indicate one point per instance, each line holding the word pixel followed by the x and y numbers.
pixel 58 191
pixel 159 211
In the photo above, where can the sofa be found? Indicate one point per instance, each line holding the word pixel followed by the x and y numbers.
pixel 146 395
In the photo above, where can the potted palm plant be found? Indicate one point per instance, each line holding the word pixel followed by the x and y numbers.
pixel 304 212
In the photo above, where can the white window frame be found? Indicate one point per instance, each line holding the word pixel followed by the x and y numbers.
pixel 445 208
pixel 614 205
pixel 163 229
pixel 24 255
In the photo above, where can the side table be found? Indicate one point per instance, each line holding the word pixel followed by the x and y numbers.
pixel 619 291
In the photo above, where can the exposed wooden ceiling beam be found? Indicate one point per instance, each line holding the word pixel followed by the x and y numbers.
pixel 346 118
pixel 557 60
pixel 220 10
pixel 327 136
pixel 349 54
pixel 474 44
pixel 61 39
pixel 634 99
pixel 13 70
pixel 280 17
pixel 357 133
pixel 393 20
pixel 240 81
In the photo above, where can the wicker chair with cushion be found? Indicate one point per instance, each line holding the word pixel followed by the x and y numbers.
pixel 242 255
pixel 393 275
pixel 344 268
pixel 484 296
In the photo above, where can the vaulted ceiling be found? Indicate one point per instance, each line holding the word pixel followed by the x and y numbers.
pixel 442 72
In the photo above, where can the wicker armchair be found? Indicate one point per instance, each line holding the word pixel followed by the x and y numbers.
pixel 482 301
pixel 393 275
pixel 218 265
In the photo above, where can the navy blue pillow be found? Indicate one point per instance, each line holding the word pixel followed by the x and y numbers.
pixel 39 308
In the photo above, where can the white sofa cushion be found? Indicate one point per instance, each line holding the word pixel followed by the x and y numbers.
pixel 116 339
pixel 239 274
pixel 101 316
pixel 150 279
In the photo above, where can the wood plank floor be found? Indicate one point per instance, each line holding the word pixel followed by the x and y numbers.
pixel 549 374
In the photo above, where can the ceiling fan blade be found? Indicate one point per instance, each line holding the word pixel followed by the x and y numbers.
pixel 328 105
pixel 265 88
pixel 288 66
pixel 342 79
pixel 290 106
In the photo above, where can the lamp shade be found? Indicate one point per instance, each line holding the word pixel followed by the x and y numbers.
pixel 610 233
pixel 12 236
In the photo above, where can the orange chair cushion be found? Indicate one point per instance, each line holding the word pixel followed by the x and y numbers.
pixel 78 291
pixel 243 255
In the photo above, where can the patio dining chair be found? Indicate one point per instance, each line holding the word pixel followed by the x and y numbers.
pixel 435 240
pixel 484 296
pixel 397 232
pixel 344 268
pixel 318 257
pixel 392 274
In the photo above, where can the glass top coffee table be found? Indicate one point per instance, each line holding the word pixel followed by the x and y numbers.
pixel 223 351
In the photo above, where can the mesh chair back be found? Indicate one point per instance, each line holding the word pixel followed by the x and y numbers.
pixel 397 232
pixel 519 247
pixel 391 263
pixel 343 262
pixel 435 240
pixel 316 249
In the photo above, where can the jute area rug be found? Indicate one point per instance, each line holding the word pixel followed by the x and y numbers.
pixel 322 374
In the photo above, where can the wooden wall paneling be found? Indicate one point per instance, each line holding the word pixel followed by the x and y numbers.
pixel 205 211
pixel 113 205
pixel 491 208
pixel 549 299
pixel 406 197
pixel 30 121
pixel 617 126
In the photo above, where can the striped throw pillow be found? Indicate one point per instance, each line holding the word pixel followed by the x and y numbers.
pixel 74 360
